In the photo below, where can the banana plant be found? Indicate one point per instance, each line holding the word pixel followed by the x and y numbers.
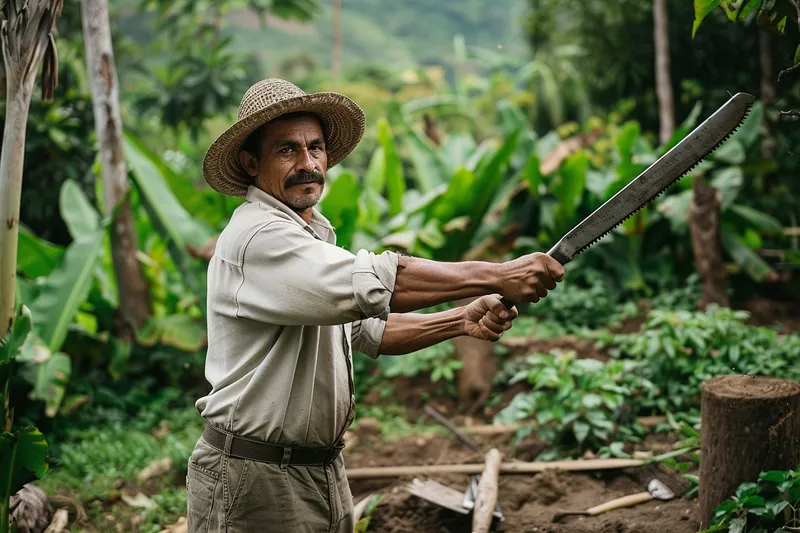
pixel 742 226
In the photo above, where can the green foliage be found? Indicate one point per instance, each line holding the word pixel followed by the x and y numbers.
pixel 23 449
pixel 438 359
pixel 682 349
pixel 574 401
pixel 770 505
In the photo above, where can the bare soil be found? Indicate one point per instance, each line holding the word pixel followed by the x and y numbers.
pixel 528 501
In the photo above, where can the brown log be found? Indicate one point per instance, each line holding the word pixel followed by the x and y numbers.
pixel 750 424
pixel 704 215
pixel 486 494
pixel 588 465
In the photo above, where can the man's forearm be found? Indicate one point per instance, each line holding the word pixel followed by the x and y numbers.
pixel 421 283
pixel 408 332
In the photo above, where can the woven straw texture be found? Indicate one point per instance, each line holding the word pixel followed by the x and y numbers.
pixel 343 123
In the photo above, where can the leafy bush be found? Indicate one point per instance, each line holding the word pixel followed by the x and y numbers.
pixel 438 359
pixel 682 349
pixel 575 401
pixel 771 505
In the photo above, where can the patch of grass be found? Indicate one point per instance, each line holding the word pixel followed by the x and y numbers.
pixel 93 459
pixel 170 505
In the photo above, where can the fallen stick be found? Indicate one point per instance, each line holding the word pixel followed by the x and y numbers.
pixel 486 495
pixel 486 430
pixel 436 415
pixel 377 472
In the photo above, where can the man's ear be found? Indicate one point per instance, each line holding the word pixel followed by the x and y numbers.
pixel 249 162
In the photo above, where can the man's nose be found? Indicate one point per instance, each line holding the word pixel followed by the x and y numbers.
pixel 305 161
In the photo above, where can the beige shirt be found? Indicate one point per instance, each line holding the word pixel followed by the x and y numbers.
pixel 286 307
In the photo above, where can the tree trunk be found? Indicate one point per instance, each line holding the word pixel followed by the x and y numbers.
pixel 750 424
pixel 666 106
pixel 336 60
pixel 704 215
pixel 133 292
pixel 12 159
pixel 769 144
pixel 474 379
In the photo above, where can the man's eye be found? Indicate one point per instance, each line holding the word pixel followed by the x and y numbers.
pixel 285 150
pixel 316 147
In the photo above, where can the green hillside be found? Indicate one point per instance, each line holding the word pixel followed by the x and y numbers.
pixel 373 31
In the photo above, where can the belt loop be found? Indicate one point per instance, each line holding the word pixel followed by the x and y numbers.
pixel 228 442
pixel 287 454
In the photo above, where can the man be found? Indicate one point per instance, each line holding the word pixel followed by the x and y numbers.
pixel 287 307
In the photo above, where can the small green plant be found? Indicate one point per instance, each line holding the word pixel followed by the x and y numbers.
pixel 23 450
pixel 770 506
pixel 438 359
pixel 575 401
pixel 682 349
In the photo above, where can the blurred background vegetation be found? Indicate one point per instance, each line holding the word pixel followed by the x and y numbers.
pixel 493 127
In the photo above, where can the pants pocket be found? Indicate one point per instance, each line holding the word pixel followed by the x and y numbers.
pixel 201 488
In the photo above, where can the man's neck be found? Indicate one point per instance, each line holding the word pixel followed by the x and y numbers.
pixel 305 214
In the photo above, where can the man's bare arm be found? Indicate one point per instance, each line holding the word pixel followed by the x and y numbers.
pixel 485 318
pixel 421 283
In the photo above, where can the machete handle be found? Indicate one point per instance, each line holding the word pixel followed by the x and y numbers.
pixel 556 253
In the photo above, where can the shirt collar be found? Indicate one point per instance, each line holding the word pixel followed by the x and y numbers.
pixel 320 227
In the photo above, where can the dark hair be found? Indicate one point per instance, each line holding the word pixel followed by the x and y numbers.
pixel 252 144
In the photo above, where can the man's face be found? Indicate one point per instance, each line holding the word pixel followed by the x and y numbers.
pixel 292 161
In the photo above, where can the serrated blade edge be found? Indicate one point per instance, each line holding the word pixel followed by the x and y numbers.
pixel 657 178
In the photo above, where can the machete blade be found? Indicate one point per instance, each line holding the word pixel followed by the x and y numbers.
pixel 658 177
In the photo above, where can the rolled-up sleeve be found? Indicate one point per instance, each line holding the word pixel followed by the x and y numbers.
pixel 290 278
pixel 367 336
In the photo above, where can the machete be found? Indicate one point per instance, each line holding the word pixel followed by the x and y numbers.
pixel 657 178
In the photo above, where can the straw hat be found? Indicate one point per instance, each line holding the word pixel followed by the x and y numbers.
pixel 342 119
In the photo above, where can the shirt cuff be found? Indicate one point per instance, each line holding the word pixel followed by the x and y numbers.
pixel 367 336
pixel 373 282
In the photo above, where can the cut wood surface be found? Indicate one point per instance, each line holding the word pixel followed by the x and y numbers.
pixel 504 468
pixel 751 424
pixel 486 496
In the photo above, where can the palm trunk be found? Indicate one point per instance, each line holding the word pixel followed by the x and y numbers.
pixel 11 163
pixel 336 60
pixel 769 144
pixel 666 105
pixel 133 291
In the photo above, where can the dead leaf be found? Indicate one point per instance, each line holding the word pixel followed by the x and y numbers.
pixel 140 501
pixel 59 523
pixel 181 526
pixel 155 469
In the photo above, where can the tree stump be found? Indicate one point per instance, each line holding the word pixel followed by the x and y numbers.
pixel 750 424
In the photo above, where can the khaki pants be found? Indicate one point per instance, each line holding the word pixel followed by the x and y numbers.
pixel 231 495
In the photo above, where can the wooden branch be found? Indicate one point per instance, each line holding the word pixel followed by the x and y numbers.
pixel 791 232
pixel 488 430
pixel 436 415
pixel 486 496
pixel 378 472
pixel 790 113
pixel 360 507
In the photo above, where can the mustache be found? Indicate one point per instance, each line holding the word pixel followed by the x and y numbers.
pixel 304 177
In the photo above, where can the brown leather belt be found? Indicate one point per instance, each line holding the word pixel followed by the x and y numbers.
pixel 270 453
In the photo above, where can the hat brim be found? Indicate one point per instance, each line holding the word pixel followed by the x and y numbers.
pixel 343 124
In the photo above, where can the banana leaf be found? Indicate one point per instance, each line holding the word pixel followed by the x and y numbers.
pixel 23 458
pixel 36 257
pixel 66 288
pixel 393 168
pixel 78 213
pixel 745 257
pixel 429 170
pixel 178 225
pixel 340 207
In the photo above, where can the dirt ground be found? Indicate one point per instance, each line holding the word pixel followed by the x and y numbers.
pixel 528 501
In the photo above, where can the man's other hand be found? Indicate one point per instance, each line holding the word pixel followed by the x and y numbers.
pixel 487 318
pixel 528 278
